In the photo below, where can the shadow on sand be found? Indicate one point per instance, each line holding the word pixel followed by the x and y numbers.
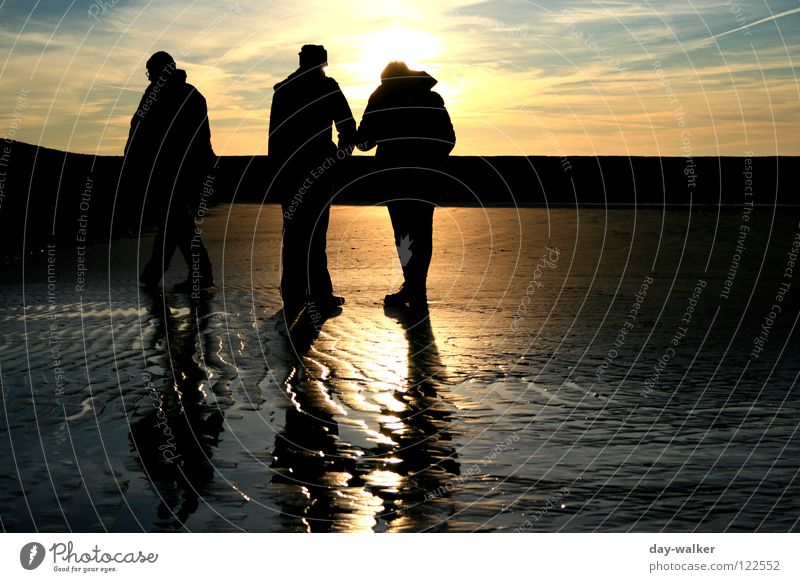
pixel 174 442
pixel 339 486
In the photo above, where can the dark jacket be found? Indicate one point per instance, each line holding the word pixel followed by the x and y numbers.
pixel 408 122
pixel 304 107
pixel 169 139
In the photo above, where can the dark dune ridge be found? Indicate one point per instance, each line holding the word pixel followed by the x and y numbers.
pixel 48 195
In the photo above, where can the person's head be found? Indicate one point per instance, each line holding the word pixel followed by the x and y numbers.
pixel 158 63
pixel 396 70
pixel 313 56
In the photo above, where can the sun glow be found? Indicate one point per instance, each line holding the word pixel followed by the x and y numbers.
pixel 374 50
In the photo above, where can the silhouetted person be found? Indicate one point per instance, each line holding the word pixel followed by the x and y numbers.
pixel 412 129
pixel 304 107
pixel 169 156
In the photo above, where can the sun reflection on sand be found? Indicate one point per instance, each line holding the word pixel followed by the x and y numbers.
pixel 363 441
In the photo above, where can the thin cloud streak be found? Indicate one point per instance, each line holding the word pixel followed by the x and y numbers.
pixel 770 18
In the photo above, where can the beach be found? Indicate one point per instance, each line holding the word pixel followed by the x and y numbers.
pixel 581 369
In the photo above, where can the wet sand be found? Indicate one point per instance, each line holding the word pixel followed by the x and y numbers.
pixel 580 370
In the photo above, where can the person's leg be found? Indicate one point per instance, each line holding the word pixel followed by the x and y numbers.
pixel 397 216
pixel 191 186
pixel 418 219
pixel 412 222
pixel 201 259
pixel 319 277
pixel 293 272
pixel 151 274
pixel 190 243
pixel 317 207
pixel 405 242
pixel 164 244
pixel 318 219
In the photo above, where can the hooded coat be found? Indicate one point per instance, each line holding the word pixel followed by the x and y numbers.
pixel 408 122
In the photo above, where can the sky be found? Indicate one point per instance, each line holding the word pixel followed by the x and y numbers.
pixel 575 77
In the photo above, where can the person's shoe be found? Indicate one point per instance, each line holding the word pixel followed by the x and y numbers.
pixel 328 303
pixel 398 299
pixel 407 298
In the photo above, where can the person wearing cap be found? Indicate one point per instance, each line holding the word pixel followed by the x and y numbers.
pixel 411 128
pixel 168 157
pixel 304 108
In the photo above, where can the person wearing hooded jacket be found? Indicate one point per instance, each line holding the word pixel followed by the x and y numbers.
pixel 304 107
pixel 168 156
pixel 411 128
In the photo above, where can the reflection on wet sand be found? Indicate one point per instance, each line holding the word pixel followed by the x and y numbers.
pixel 715 447
pixel 174 442
pixel 336 485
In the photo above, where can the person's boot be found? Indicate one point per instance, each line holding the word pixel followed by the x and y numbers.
pixel 328 303
pixel 415 298
pixel 396 299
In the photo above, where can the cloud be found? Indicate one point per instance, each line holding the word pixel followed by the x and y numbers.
pixel 504 68
pixel 770 18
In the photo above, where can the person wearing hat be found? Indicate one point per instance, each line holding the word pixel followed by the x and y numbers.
pixel 168 157
pixel 304 108
pixel 411 128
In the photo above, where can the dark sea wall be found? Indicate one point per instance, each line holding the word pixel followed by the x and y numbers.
pixel 540 180
pixel 49 195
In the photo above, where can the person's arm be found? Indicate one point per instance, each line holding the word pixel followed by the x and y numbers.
pixel 135 121
pixel 131 133
pixel 276 119
pixel 443 126
pixel 343 118
pixel 190 128
pixel 366 138
pixel 192 114
pixel 203 138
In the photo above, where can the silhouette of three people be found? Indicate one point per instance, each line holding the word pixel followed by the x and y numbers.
pixel 169 147
pixel 169 151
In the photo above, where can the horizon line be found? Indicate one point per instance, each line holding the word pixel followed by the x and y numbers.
pixel 9 142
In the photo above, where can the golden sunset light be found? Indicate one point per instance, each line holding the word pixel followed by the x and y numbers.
pixel 399 266
pixel 518 77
